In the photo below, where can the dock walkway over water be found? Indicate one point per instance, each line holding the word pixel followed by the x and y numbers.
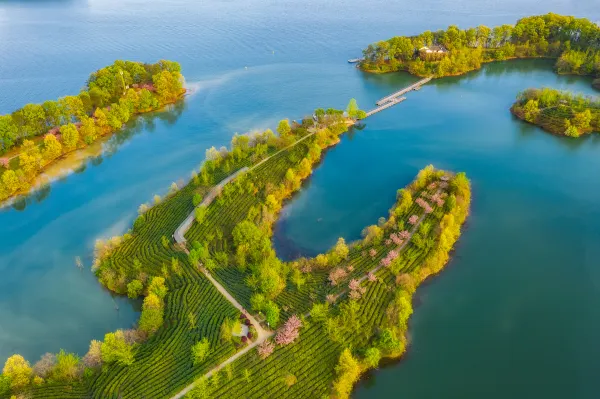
pixel 388 104
pixel 414 86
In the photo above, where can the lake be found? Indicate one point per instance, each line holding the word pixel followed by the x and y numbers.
pixel 514 314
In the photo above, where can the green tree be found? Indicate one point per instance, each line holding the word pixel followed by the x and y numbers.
pixel 200 351
pixel 4 385
pixel 352 108
pixel 66 368
pixel 8 133
pixel 152 314
pixel 200 213
pixel 372 357
pixel 70 136
pixel 134 289
pixel 271 311
pixel 284 128
pixel 158 287
pixel 52 147
pixel 115 349
pixel 18 370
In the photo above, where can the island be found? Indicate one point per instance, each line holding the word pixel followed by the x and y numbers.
pixel 558 112
pixel 222 315
pixel 37 135
pixel 573 42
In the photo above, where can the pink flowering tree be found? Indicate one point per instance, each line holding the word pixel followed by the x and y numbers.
pixel 354 284
pixel 4 162
pixel 404 234
pixel 371 277
pixel 350 268
pixel 265 349
pixel 337 275
pixel 372 252
pixel 289 332
pixel 413 219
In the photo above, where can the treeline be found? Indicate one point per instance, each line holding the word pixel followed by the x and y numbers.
pixel 145 262
pixel 112 95
pixel 323 348
pixel 558 112
pixel 575 42
pixel 245 150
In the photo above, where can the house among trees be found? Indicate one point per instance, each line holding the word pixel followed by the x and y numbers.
pixel 432 53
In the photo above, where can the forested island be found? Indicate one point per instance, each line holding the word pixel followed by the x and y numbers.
pixel 33 137
pixel 305 328
pixel 558 112
pixel 573 42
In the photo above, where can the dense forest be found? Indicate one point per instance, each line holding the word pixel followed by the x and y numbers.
pixel 38 134
pixel 574 42
pixel 558 112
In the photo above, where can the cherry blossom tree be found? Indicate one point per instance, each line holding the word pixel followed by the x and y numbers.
pixel 265 349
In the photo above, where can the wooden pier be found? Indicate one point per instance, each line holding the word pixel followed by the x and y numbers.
pixel 388 104
pixel 393 96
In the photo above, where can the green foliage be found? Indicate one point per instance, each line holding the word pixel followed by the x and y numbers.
pixel 454 51
pixel 200 351
pixel 372 357
pixel 66 368
pixel 197 199
pixel 116 350
pixel 558 112
pixel 134 289
pixel 284 128
pixel 271 311
pixel 200 213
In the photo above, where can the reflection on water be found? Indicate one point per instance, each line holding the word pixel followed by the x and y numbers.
pixel 77 161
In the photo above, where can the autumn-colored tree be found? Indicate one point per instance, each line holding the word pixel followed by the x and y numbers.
pixel 18 370
pixel 52 147
pixel 70 136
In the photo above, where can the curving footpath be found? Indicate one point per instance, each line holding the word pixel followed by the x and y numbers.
pixel 179 237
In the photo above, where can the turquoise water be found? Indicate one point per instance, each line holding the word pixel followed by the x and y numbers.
pixel 515 314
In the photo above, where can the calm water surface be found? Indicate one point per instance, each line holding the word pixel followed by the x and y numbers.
pixel 516 312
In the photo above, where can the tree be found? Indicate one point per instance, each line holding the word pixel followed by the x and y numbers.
pixel 200 213
pixel 226 330
pixel 30 157
pixel 10 181
pixel 18 370
pixel 67 367
pixel 167 85
pixel 157 286
pixel 289 332
pixel 372 357
pixel 265 349
pixel 197 199
pixel 45 365
pixel 271 314
pixel 284 128
pixel 4 385
pixel 200 351
pixel 352 108
pixel 70 136
pixel 93 358
pixel 152 313
pixel 340 250
pixel 52 147
pixel 8 133
pixel 115 349
pixel 134 289
pixel 348 371
pixel 200 391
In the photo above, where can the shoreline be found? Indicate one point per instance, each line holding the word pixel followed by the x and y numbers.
pixel 69 162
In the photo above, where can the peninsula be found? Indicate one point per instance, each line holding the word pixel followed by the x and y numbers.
pixel 573 42
pixel 558 112
pixel 37 135
pixel 223 316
